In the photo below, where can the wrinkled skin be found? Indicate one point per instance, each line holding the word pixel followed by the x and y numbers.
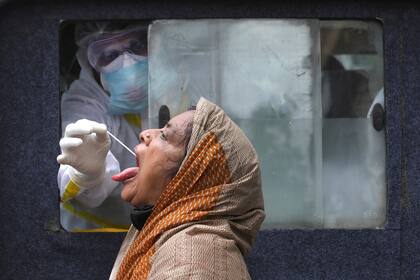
pixel 159 156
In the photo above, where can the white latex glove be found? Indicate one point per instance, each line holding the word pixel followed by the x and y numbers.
pixel 84 147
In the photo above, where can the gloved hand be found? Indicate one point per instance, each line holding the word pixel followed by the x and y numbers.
pixel 84 147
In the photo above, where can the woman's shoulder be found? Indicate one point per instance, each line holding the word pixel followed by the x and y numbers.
pixel 197 251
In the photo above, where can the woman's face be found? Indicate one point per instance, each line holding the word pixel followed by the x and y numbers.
pixel 159 156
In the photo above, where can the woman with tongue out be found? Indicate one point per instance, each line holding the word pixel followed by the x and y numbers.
pixel 202 176
pixel 159 156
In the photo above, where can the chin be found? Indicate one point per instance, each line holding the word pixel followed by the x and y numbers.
pixel 128 192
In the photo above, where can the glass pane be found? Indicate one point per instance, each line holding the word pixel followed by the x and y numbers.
pixel 353 150
pixel 301 90
pixel 353 174
pixel 272 67
pixel 277 83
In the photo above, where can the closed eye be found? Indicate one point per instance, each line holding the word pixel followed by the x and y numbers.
pixel 163 136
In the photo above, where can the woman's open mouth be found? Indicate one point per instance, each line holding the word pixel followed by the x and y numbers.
pixel 127 174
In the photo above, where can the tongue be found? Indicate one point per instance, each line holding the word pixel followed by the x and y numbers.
pixel 126 174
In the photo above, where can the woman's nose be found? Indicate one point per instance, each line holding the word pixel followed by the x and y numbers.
pixel 148 135
pixel 145 137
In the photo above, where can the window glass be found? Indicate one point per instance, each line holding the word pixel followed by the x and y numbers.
pixel 308 93
pixel 304 93
pixel 353 150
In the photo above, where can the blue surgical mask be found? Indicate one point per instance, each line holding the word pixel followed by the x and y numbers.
pixel 126 79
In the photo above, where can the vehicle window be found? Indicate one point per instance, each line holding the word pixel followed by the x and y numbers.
pixel 305 93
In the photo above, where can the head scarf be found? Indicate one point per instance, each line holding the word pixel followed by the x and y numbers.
pixel 218 183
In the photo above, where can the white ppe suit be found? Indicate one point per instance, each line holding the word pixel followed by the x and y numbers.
pixel 99 207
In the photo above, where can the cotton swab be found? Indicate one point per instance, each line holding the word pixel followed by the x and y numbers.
pixel 119 141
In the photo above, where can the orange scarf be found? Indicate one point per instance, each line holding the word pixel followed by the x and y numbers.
pixel 188 197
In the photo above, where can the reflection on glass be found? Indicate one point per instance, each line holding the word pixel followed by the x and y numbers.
pixel 302 91
pixel 353 151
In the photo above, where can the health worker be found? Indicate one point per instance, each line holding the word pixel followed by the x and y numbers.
pixel 110 94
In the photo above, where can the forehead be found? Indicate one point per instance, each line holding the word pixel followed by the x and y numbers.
pixel 181 119
pixel 178 125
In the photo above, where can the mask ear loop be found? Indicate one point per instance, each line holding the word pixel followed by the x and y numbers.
pixel 103 83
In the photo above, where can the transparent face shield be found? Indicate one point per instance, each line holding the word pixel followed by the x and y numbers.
pixel 109 46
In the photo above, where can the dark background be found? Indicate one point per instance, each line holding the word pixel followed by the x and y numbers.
pixel 33 247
